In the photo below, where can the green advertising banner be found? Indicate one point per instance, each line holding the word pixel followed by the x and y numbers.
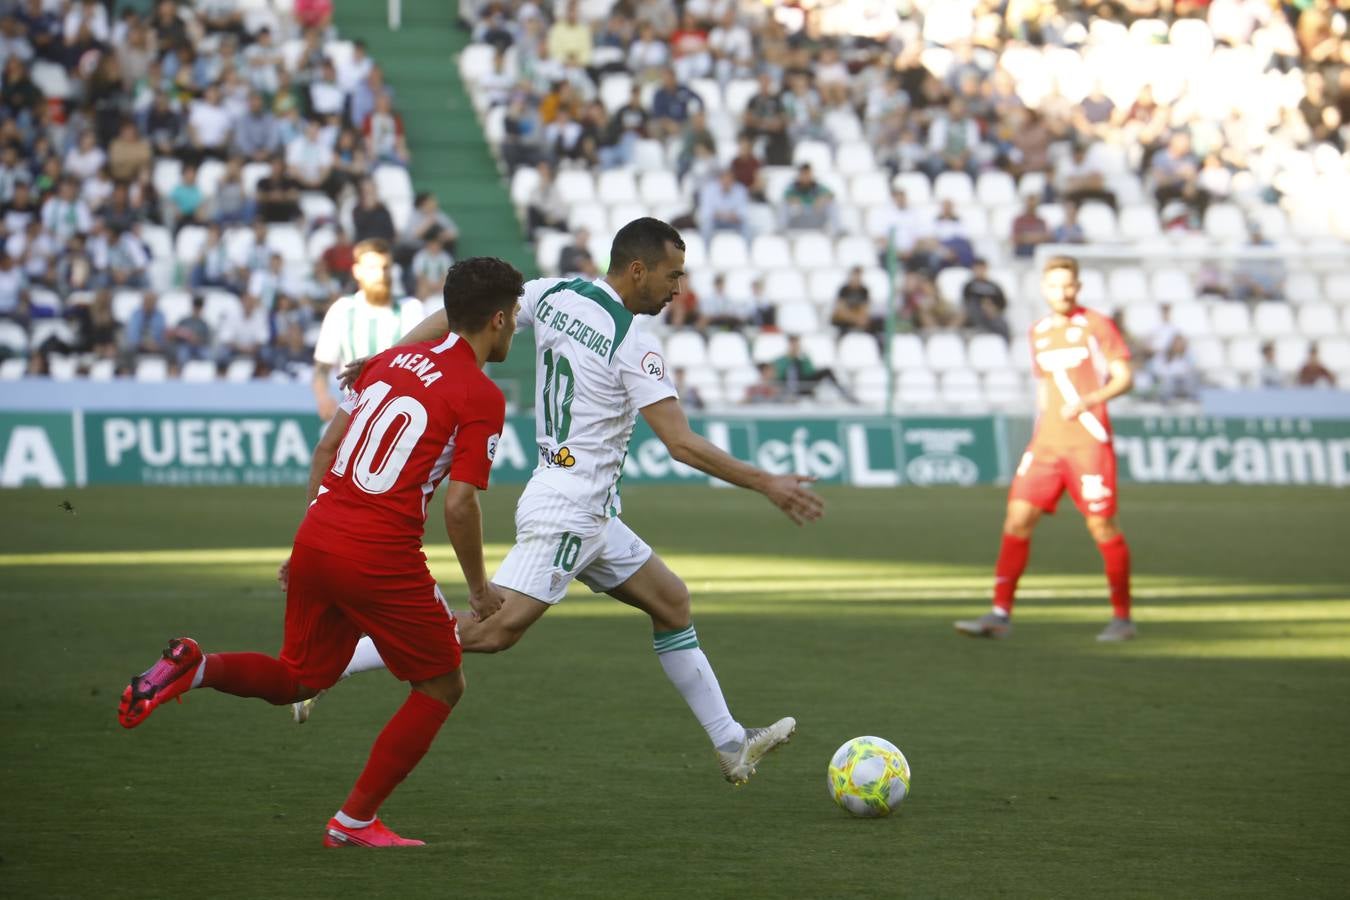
pixel 59 449
pixel 197 448
pixel 38 449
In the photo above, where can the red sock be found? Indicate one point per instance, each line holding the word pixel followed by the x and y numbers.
pixel 251 675
pixel 398 749
pixel 1116 554
pixel 1012 561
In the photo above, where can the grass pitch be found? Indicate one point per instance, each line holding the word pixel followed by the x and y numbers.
pixel 1206 759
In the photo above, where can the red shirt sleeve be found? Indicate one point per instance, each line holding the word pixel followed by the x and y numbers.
pixel 1108 337
pixel 476 441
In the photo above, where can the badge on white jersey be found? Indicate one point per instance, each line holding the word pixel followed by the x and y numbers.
pixel 654 365
pixel 492 447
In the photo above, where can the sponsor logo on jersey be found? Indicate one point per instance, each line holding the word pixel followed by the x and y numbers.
pixel 492 446
pixel 654 365
pixel 1061 359
pixel 561 458
pixel 1072 334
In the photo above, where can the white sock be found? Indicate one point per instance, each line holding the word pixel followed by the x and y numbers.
pixel 199 674
pixel 1000 612
pixel 347 821
pixel 689 670
pixel 364 659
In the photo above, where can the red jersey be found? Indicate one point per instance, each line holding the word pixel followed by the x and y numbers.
pixel 418 413
pixel 1070 360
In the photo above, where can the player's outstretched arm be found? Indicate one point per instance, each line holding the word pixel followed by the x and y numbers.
pixel 324 455
pixel 790 493
pixel 324 400
pixel 431 328
pixel 464 526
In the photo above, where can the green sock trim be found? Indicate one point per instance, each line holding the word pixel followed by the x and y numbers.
pixel 668 641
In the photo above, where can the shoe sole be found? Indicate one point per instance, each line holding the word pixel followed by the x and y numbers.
pixel 339 840
pixel 982 633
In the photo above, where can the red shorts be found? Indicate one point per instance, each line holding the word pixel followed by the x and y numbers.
pixel 332 600
pixel 1087 473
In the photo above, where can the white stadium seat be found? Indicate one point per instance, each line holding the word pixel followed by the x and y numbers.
pixel 855 250
pixel 1337 288
pixel 954 186
pixel 1273 319
pixel 575 186
pixel 988 353
pixel 1128 284
pixel 1230 319
pixel 1208 354
pixel 822 285
pixel 798 317
pixel 1191 318
pixel 1302 287
pixel 659 190
pixel 907 353
pixel 996 188
pixel 820 349
pixel 1142 319
pixel 686 350
pixel 737 93
pixel 918 189
pixel 869 189
pixel 769 251
pixel 961 387
pixel 1318 320
pixel 1172 286
pixel 152 369
pixel 785 286
pixel 816 154
pixel 1290 353
pixel 616 186
pixel 728 251
pixel 768 346
pixel 199 370
pixel 728 350
pixel 854 158
pixel 812 250
pixel 945 352
pixel 1225 222
pixel 594 217
pixel 859 352
pixel 1098 221
pixel 916 387
pixel 1138 223
pixel 695 251
pixel 1335 354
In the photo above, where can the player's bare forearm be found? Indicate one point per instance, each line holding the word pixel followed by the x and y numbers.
pixel 1120 381
pixel 671 425
pixel 464 527
pixel 429 329
pixel 325 453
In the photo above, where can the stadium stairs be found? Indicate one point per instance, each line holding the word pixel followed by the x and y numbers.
pixel 450 155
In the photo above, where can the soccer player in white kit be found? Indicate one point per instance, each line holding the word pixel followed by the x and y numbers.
pixel 596 371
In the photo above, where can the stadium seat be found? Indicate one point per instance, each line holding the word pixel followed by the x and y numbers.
pixel 317 207
pixel 1138 223
pixel 615 89
pixel 1142 319
pixel 820 349
pixel 728 250
pixel 1302 287
pixel 220 306
pixel 1290 353
pixel 1336 288
pixel 253 173
pixel 392 182
pixel 620 215
pixel 616 186
pixel 1318 320
pixel 798 317
pixel 857 352
pixel 822 285
pixel 62 367
pixel 1273 319
pixel 13 338
pixel 1225 222
pixel 152 369
pixel 1335 354
pixel 188 244
pixel 785 286
pixel 1003 389
pixel 1230 319
pixel 240 370
pixel 961 387
pixel 870 386
pixel 102 370
pixel 769 251
pixel 907 352
pixel 594 217
pixel 737 93
pixel 288 241
pixel 548 245
pixel 854 250
pixel 1172 286
pixel 869 190
pixel 945 352
pixel 1208 354
pixel 695 251
pixel 954 186
pixel 686 349
pixel 951 281
pixel 175 305
pixel 199 370
pixel 649 156
pixel 988 353
pixel 13 369
pixel 995 188
pixel 817 154
pixel 768 346
pixel 659 190
pixel 812 250
pixel 475 61
pixel 1098 222
pixel 916 387
pixel 1093 291
pixel 575 186
pixel 843 126
pixel 878 288
pixel 1191 318
pixel 918 189
pixel 735 382
pixel 728 350
pixel 1129 284
pixel 1244 354
pixel 710 92
pixel 855 158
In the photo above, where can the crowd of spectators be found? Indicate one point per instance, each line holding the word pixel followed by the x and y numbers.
pixel 127 136
pixel 937 87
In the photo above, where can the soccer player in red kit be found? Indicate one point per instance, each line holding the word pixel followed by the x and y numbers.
pixel 417 414
pixel 1080 362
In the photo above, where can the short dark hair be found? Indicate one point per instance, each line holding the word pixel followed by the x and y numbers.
pixel 477 288
pixel 643 240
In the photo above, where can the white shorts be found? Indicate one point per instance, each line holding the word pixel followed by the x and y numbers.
pixel 557 541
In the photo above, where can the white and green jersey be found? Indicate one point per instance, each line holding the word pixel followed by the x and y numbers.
pixel 353 328
pixel 594 369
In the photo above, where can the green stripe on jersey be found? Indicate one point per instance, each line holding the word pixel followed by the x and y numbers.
pixel 623 319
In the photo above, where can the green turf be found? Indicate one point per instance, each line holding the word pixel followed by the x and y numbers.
pixel 1207 759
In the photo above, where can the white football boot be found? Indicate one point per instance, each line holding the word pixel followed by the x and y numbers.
pixel 738 760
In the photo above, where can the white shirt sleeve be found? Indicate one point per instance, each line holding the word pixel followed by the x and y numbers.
pixel 643 371
pixel 411 312
pixel 328 348
pixel 529 301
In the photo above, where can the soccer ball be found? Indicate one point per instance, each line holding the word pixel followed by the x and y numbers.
pixel 869 777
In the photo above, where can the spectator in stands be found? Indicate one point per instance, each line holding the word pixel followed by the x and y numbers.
pixel 209 127
pixel 65 213
pixel 1094 114
pixel 129 154
pixel 1174 372
pixel 1312 373
pixel 564 141
pixel 1258 277
pixel 723 205
pixel 984 303
pixel 213 267
pixel 163 125
pixel 229 203
pixel 691 55
pixel 383 131
pixel 1029 229
pixel 1032 137
pixel 953 140
pixel 13 171
pixel 522 140
pixel 570 38
pixel 326 97
pixel 766 117
pixel 429 220
pixel 572 257
pixel 1214 179
pixel 128 259
pixel 1173 172
pixel 1069 231
pixel 648 55
pixel 361 103
pixel 627 126
pixel 96 327
pixel 75 270
pixel 804 109
pixel 797 376
pixel 1270 375
pixel 429 266
pixel 731 47
pixel 278 194
pixel 745 166
pixel 766 310
pixel 256 134
pixel 545 207
pixel 698 149
pixel 683 311
pixel 808 204
pixel 146 331
pixel 1164 334
pixel 853 306
pixel 954 247
pixel 717 309
pixel 191 337
pixel 689 396
pixel 267 284
pixel 768 389
pixel 922 305
pixel 900 226
pixel 246 333
pixel 672 105
pixel 1079 180
pixel 309 160
pixel 13 290
pixel 371 219
pixel 185 200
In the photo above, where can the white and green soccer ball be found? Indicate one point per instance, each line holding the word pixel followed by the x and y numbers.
pixel 869 777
